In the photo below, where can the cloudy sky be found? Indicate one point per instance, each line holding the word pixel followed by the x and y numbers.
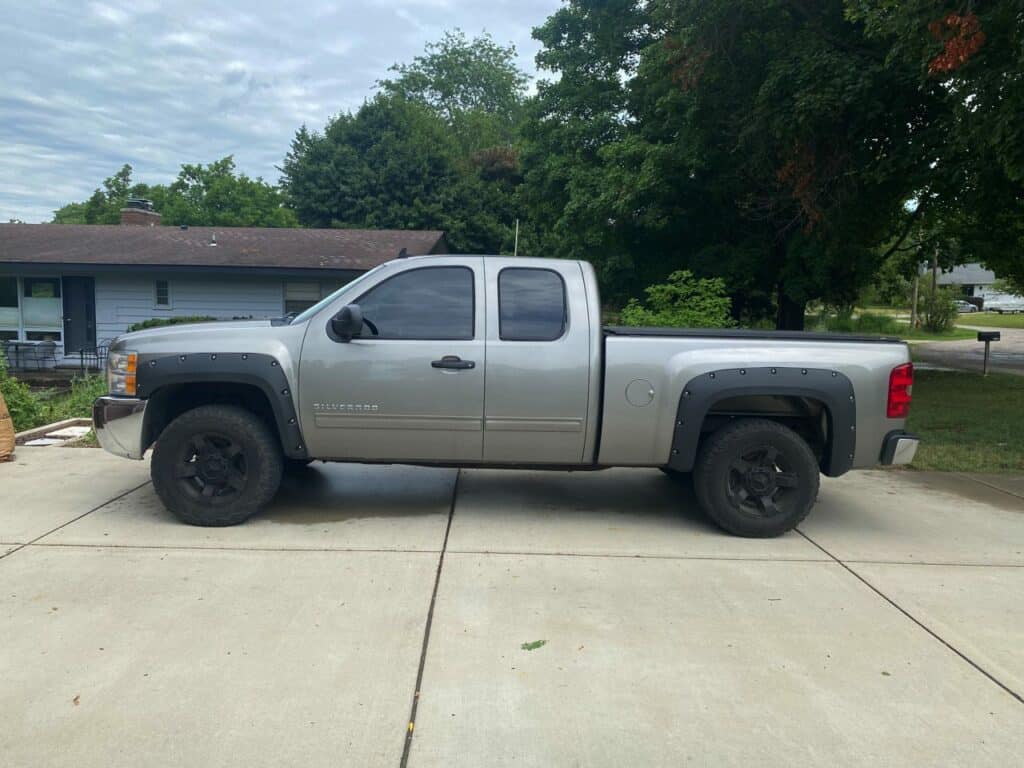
pixel 89 86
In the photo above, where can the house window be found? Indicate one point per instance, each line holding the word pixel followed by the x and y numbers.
pixel 162 291
pixel 10 314
pixel 41 306
pixel 301 295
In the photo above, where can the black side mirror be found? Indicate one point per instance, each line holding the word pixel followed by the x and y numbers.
pixel 348 323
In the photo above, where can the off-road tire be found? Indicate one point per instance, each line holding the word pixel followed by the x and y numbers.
pixel 255 455
pixel 740 500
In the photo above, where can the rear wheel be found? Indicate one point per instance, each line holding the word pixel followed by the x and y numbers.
pixel 756 477
pixel 216 465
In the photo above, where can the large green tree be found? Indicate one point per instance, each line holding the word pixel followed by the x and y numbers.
pixel 970 57
pixel 766 141
pixel 201 195
pixel 433 150
pixel 474 85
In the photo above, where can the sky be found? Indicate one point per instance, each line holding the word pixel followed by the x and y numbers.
pixel 89 86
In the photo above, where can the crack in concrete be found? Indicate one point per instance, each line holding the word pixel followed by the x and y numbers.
pixel 917 621
pixel 74 519
pixel 407 747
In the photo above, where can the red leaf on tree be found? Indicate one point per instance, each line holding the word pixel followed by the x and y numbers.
pixel 961 36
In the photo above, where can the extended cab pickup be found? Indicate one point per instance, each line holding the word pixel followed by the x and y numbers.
pixel 469 361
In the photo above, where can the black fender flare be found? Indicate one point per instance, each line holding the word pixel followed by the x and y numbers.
pixel 155 372
pixel 832 388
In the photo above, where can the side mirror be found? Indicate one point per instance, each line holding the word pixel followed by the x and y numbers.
pixel 348 323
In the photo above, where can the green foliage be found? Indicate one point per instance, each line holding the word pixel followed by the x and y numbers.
pixel 844 321
pixel 967 59
pixel 431 151
pixel 683 302
pixel 77 402
pixel 26 409
pixel 160 322
pixel 474 86
pixel 741 138
pixel 938 310
pixel 210 195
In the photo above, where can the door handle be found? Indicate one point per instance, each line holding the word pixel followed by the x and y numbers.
pixel 453 363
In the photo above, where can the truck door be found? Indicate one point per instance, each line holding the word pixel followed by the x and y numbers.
pixel 538 362
pixel 412 385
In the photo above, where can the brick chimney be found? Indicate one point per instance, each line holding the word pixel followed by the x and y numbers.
pixel 139 212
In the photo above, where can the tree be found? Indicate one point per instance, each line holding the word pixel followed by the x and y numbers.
pixel 764 141
pixel 970 56
pixel 684 301
pixel 432 150
pixel 473 85
pixel 211 195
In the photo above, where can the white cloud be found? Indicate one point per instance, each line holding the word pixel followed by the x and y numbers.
pixel 159 84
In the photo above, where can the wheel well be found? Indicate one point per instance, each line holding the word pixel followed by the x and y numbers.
pixel 808 417
pixel 169 402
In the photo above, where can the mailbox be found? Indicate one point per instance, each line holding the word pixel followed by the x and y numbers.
pixel 988 337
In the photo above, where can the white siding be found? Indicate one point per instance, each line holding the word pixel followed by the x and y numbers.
pixel 123 300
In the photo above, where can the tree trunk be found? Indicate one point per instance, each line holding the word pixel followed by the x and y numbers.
pixel 791 312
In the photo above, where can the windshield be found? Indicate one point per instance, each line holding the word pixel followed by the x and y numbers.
pixel 308 313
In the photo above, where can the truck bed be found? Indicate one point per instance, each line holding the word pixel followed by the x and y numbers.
pixel 736 333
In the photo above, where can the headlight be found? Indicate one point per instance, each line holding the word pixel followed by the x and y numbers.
pixel 121 367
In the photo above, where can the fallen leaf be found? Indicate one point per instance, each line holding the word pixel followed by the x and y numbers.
pixel 77 699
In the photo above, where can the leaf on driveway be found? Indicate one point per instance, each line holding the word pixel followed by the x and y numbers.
pixel 534 645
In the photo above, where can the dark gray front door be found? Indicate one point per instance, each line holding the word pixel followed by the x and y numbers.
pixel 79 314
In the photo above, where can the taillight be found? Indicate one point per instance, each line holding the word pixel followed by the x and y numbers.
pixel 901 385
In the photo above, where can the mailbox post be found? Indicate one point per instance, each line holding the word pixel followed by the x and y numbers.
pixel 988 337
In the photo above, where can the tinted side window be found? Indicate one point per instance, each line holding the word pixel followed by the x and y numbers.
pixel 531 305
pixel 429 303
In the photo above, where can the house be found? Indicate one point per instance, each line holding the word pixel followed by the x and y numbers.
pixel 82 285
pixel 974 279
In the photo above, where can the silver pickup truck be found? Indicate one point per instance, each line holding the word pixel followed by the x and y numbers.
pixel 471 361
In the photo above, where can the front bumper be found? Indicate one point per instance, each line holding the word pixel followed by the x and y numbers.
pixel 899 447
pixel 118 422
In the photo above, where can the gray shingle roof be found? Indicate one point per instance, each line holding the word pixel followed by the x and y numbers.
pixel 338 249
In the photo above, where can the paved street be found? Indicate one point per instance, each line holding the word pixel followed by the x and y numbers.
pixel 519 618
pixel 1007 354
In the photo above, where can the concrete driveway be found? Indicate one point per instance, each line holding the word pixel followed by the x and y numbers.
pixel 518 618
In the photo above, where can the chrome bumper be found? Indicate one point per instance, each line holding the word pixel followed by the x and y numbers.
pixel 899 448
pixel 118 422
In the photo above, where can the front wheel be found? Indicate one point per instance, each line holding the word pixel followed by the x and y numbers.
pixel 216 465
pixel 756 478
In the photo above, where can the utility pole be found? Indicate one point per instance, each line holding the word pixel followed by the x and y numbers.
pixel 913 299
pixel 515 248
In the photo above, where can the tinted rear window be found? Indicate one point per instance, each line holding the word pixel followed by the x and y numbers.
pixel 531 304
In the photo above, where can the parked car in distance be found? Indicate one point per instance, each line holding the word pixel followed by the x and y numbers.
pixel 965 306
pixel 481 361
pixel 1004 303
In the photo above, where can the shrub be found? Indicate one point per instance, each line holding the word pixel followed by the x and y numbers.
pixel 77 403
pixel 882 325
pixel 684 301
pixel 938 310
pixel 25 407
pixel 160 322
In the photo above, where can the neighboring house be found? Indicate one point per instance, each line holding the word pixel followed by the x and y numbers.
pixel 82 285
pixel 973 278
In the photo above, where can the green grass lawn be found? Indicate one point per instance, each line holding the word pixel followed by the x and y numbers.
pixel 967 422
pixel 992 320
